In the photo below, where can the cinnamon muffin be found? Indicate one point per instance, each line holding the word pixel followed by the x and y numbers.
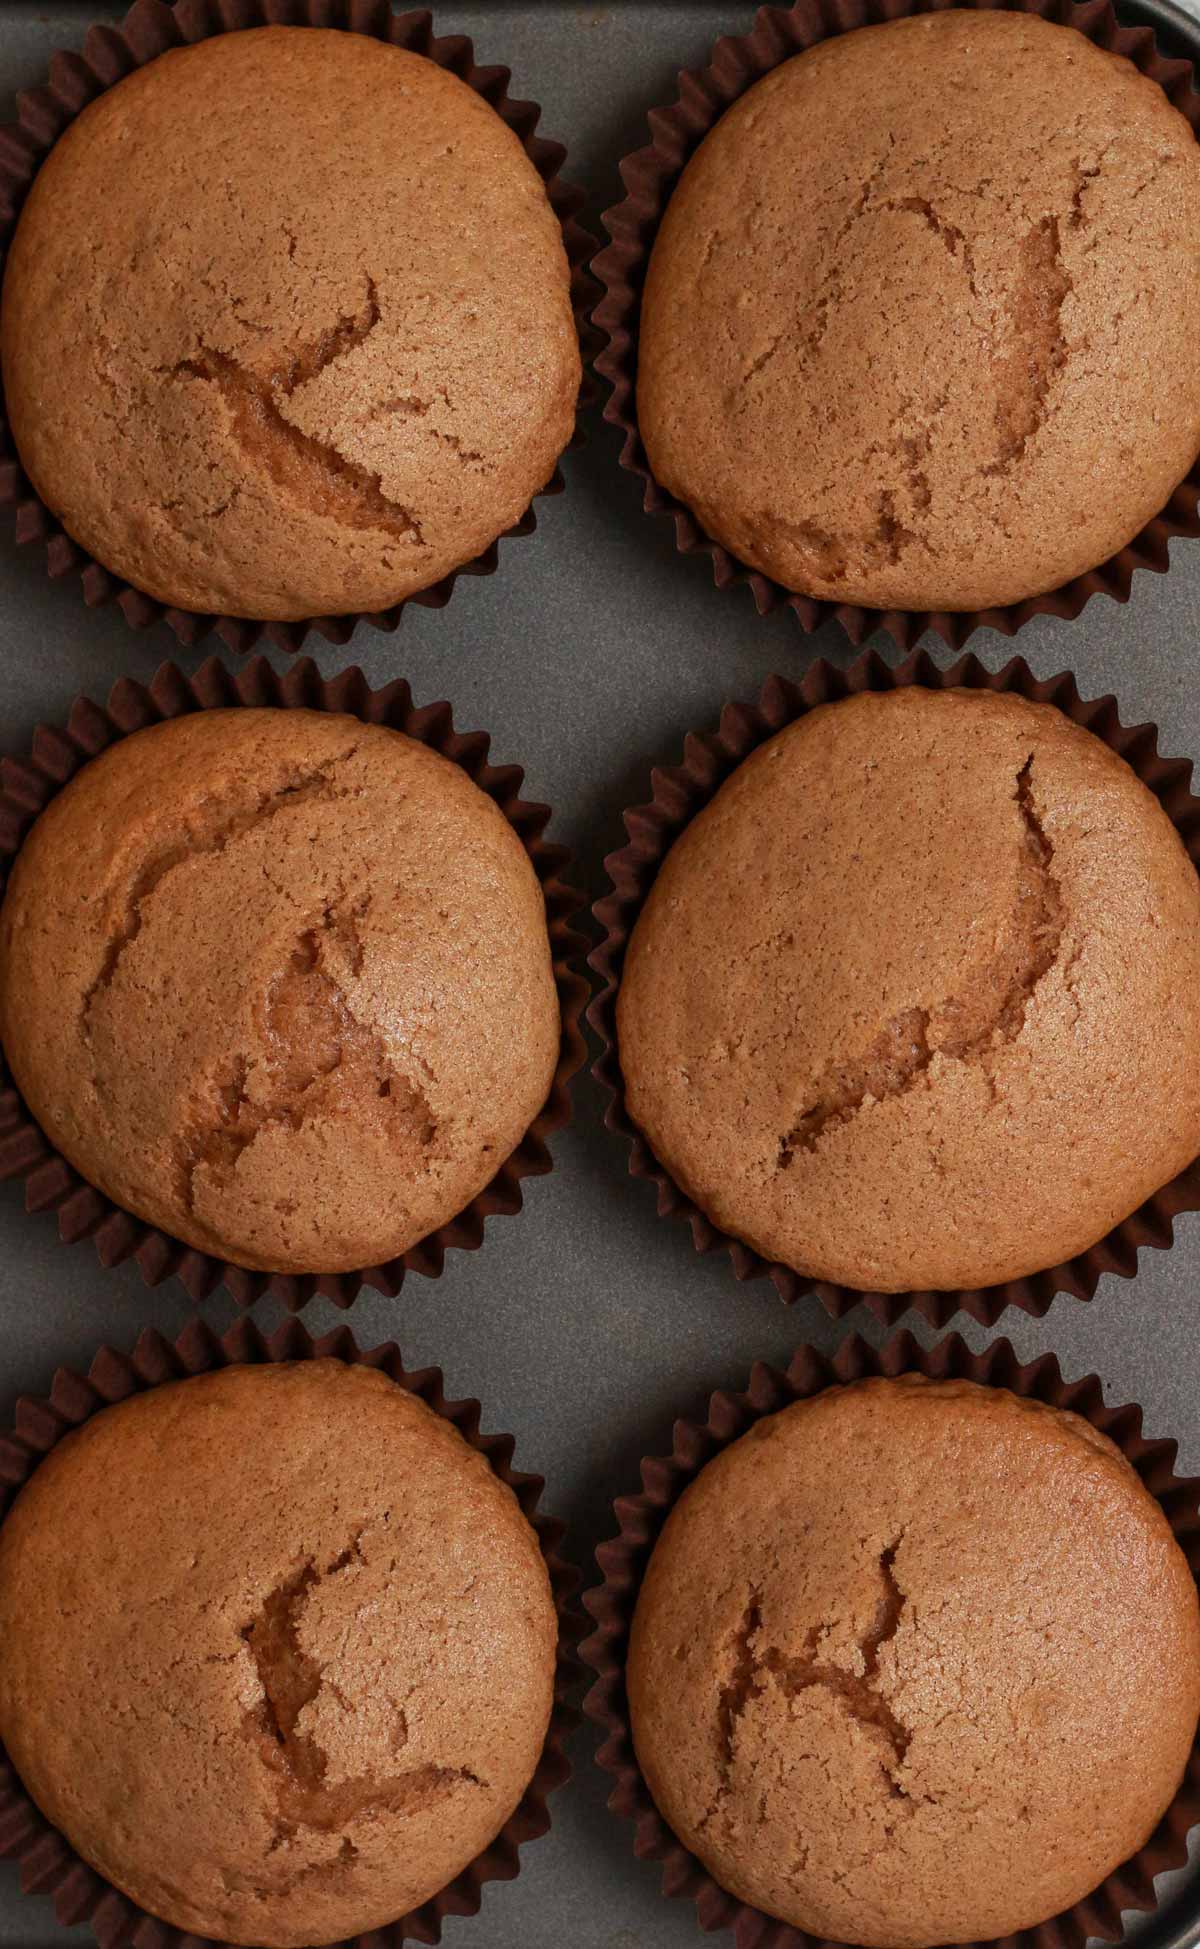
pixel 279 1650
pixel 287 326
pixel 915 1663
pixel 914 1001
pixel 279 982
pixel 954 264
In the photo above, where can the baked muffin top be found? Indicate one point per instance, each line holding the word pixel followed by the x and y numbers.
pixel 915 999
pixel 279 982
pixel 915 1663
pixel 279 1650
pixel 922 322
pixel 287 327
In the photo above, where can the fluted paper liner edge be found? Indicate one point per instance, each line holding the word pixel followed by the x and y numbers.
pixel 678 793
pixel 640 1517
pixel 28 784
pixel 48 1863
pixel 650 175
pixel 149 29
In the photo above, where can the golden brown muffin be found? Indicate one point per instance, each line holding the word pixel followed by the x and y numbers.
pixel 280 982
pixel 915 1000
pixel 287 326
pixel 915 1663
pixel 279 1650
pixel 922 322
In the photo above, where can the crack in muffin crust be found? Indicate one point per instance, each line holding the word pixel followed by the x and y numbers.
pixel 1039 351
pixel 922 257
pixel 316 1641
pixel 322 1058
pixel 316 783
pixel 291 1680
pixel 314 471
pixel 308 1007
pixel 202 386
pixel 910 941
pixel 1025 376
pixel 754 1669
pixel 953 1787
pixel 958 1027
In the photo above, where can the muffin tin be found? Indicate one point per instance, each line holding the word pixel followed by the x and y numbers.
pixel 584 1325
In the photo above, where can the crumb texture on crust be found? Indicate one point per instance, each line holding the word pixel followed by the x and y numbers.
pixel 279 1650
pixel 921 327
pixel 914 1002
pixel 279 982
pixel 892 1649
pixel 287 326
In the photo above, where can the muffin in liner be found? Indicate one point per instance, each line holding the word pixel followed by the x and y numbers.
pixel 49 1864
pixel 650 176
pixel 26 787
pixel 679 792
pixel 640 1517
pixel 110 53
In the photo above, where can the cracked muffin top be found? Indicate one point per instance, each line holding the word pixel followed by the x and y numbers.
pixel 915 1663
pixel 914 1001
pixel 279 982
pixel 954 260
pixel 279 1650
pixel 287 326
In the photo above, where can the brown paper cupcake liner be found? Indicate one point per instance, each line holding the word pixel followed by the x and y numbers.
pixel 640 1517
pixel 679 792
pixel 28 784
pixel 49 1864
pixel 109 53
pixel 650 176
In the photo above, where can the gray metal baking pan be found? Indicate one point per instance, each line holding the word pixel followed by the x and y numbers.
pixel 585 1324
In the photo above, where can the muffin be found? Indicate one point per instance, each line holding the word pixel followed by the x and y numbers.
pixel 958 358
pixel 279 982
pixel 287 327
pixel 279 1650
pixel 914 1001
pixel 915 1663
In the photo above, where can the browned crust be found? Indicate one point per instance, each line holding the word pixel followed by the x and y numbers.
pixel 27 786
pixel 48 1865
pixel 640 1518
pixel 76 78
pixel 650 175
pixel 679 791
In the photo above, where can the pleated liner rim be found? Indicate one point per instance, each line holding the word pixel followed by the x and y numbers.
pixel 49 1864
pixel 640 1518
pixel 26 787
pixel 680 791
pixel 650 175
pixel 149 29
